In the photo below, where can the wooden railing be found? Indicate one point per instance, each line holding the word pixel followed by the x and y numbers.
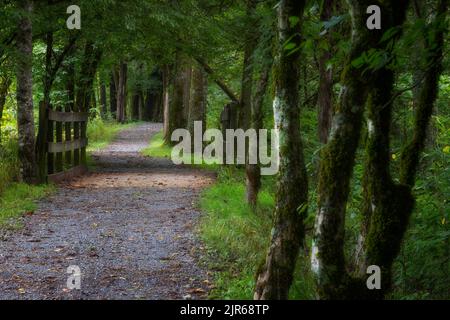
pixel 65 143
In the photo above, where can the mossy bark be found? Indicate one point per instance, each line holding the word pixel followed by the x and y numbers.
pixel 121 92
pixel 253 171
pixel 275 276
pixel 325 96
pixel 25 116
pixel 338 156
pixel 177 101
pixel 197 105
pixel 388 205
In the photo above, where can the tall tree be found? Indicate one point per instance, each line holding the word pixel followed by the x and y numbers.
pixel 337 158
pixel 177 102
pixel 122 92
pixel 253 171
pixel 25 116
pixel 103 103
pixel 388 204
pixel 112 96
pixel 197 105
pixel 275 276
pixel 325 94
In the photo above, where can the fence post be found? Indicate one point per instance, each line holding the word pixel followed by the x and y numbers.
pixel 50 138
pixel 83 137
pixel 59 138
pixel 68 137
pixel 41 145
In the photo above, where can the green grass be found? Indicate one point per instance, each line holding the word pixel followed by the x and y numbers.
pixel 18 199
pixel 101 133
pixel 9 163
pixel 237 238
pixel 157 148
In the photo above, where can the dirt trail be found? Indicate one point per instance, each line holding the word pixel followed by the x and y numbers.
pixel 129 226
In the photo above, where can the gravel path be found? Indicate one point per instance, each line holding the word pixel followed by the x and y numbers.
pixel 129 226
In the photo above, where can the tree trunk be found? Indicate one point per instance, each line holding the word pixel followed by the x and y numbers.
pixel 103 107
pixel 389 205
pixel 275 277
pixel 84 94
pixel 245 104
pixel 325 94
pixel 91 59
pixel 122 92
pixel 197 109
pixel 135 114
pixel 166 106
pixel 112 96
pixel 187 74
pixel 176 108
pixel 25 115
pixel 253 171
pixel 338 156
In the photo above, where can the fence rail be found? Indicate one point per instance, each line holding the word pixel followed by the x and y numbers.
pixel 64 142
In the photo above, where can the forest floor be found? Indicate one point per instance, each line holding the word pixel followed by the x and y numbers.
pixel 129 225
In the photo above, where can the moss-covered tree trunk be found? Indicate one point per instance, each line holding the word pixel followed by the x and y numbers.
pixel 197 105
pixel 25 115
pixel 253 171
pixel 166 100
pixel 325 95
pixel 338 156
pixel 177 99
pixel 122 92
pixel 103 102
pixel 389 205
pixel 245 105
pixel 112 96
pixel 275 276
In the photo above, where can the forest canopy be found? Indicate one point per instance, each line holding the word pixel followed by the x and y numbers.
pixel 357 93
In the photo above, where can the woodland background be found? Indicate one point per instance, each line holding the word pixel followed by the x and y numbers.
pixel 181 61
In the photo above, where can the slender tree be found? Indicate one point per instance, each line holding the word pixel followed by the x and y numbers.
pixel 197 105
pixel 337 158
pixel 275 276
pixel 389 205
pixel 25 116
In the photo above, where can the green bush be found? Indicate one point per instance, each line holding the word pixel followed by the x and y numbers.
pixel 9 163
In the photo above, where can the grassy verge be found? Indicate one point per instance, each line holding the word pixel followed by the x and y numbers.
pixel 157 148
pixel 15 198
pixel 101 133
pixel 19 199
pixel 236 237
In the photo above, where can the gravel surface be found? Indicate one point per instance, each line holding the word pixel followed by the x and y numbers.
pixel 129 225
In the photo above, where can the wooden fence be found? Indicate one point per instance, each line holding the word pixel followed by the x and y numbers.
pixel 64 155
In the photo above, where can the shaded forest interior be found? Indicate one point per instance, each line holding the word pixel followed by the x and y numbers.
pixel 361 115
